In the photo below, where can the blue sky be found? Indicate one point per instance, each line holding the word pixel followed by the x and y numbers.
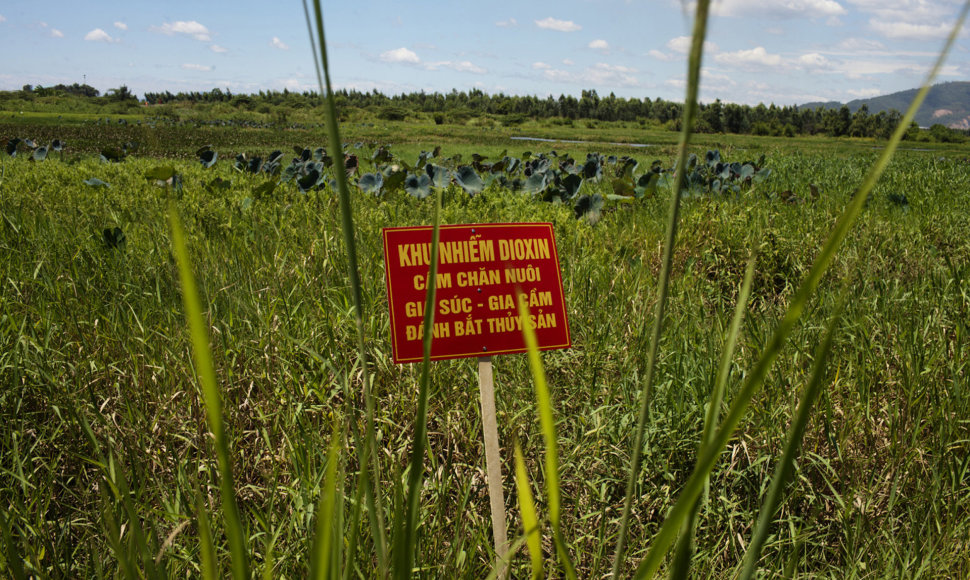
pixel 782 52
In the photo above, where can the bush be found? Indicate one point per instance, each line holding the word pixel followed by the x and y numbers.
pixel 392 113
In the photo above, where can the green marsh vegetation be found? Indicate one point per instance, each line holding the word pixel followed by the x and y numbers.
pixel 294 452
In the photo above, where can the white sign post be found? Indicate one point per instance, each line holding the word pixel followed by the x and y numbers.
pixel 493 460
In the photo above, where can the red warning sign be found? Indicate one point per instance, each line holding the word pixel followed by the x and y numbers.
pixel 482 270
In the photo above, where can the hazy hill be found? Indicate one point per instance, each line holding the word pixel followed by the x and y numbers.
pixel 947 104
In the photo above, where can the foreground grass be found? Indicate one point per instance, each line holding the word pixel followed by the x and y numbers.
pixel 90 334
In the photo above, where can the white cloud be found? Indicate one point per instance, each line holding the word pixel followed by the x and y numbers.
pixel 911 30
pixel 682 44
pixel 813 60
pixel 661 56
pixel 98 35
pixel 786 9
pixel 463 66
pixel 510 23
pixel 121 26
pixel 909 19
pixel 756 57
pixel 277 43
pixel 541 66
pixel 864 93
pixel 2 18
pixel 297 85
pixel 922 11
pixel 599 44
pixel 190 28
pixel 198 67
pixel 860 44
pixel 400 55
pixel 568 62
pixel 600 74
pixel 55 33
pixel 218 49
pixel 560 25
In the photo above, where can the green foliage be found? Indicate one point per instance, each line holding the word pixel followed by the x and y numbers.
pixel 114 238
pixel 116 440
pixel 111 330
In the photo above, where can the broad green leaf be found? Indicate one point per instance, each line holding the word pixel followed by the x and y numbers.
pixel 264 190
pixel 536 182
pixel 112 154
pixel 571 185
pixel 371 183
pixel 208 158
pixel 466 177
pixel 218 184
pixel 589 207
pixel 308 181
pixel 713 158
pixel 747 172
pixel 382 155
pixel 440 177
pixel 161 173
pixel 626 170
pixel 393 180
pixel 418 186
pixel 95 182
pixel 623 188
pixel 351 165
pixel 647 185
pixel 11 146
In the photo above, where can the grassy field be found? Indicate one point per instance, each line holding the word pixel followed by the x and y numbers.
pixel 104 432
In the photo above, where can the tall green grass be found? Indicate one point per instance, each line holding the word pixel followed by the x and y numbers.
pixel 254 444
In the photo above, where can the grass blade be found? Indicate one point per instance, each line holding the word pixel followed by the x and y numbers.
pixel 369 456
pixel 527 508
pixel 406 543
pixel 15 562
pixel 238 549
pixel 548 425
pixel 681 566
pixel 113 530
pixel 207 550
pixel 755 379
pixel 690 113
pixel 321 564
pixel 783 471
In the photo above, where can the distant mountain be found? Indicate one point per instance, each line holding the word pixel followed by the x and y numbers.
pixel 947 104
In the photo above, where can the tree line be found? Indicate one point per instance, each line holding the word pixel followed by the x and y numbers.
pixel 715 117
pixel 460 106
